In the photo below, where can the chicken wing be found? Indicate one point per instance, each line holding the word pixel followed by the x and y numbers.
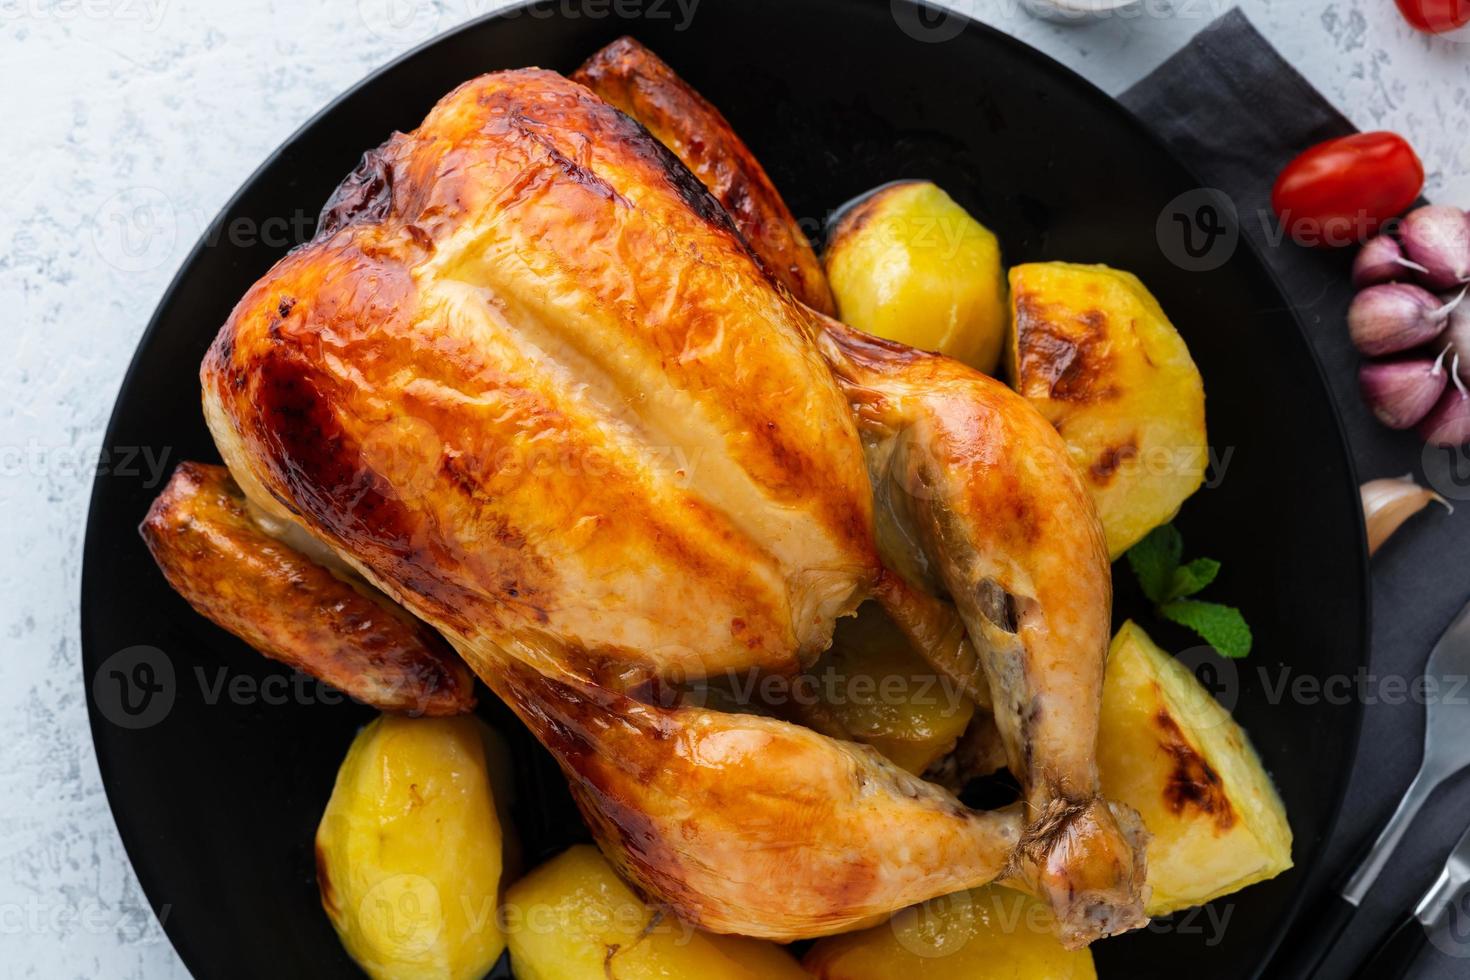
pixel 292 609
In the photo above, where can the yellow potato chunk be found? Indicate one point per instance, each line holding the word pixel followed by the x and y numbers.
pixel 409 850
pixel 1093 351
pixel 573 918
pixel 989 933
pixel 877 689
pixel 909 264
pixel 1169 750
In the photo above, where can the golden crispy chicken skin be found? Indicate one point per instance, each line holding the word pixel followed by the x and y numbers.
pixel 982 487
pixel 633 78
pixel 530 382
pixel 976 500
pixel 637 81
pixel 292 609
pixel 751 825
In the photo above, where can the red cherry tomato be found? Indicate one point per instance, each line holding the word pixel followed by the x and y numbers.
pixel 1436 16
pixel 1340 192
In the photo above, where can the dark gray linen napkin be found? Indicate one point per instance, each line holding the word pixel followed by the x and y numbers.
pixel 1237 113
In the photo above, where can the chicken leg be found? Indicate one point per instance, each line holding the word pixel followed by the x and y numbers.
pixel 750 825
pixel 975 498
pixel 982 486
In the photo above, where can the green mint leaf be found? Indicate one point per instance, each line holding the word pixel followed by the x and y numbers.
pixel 1155 559
pixel 1190 578
pixel 1222 627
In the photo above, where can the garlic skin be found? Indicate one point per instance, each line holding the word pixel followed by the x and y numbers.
pixel 1381 261
pixel 1458 336
pixel 1387 504
pixel 1437 237
pixel 1394 317
pixel 1401 393
pixel 1448 424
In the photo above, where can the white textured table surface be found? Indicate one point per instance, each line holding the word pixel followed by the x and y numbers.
pixel 109 99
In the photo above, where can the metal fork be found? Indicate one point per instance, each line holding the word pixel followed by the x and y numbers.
pixel 1446 752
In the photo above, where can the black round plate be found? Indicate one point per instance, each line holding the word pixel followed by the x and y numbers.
pixel 218 762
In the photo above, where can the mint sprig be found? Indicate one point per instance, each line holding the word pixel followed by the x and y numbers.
pixel 1168 584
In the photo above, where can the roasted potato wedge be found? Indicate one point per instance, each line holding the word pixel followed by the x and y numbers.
pixel 409 852
pixel 1094 352
pixel 1170 751
pixel 909 264
pixel 989 933
pixel 879 691
pixel 573 918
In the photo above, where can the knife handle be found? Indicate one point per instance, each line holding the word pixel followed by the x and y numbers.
pixel 1396 952
pixel 1313 939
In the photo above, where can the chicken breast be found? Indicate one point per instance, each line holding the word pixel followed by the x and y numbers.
pixel 531 383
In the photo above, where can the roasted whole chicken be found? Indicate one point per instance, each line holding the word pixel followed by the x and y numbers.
pixel 564 388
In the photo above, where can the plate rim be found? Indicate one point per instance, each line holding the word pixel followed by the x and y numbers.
pixel 132 837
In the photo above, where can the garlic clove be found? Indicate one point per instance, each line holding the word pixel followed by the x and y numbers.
pixel 1448 423
pixel 1401 393
pixel 1457 333
pixel 1387 504
pixel 1437 237
pixel 1382 260
pixel 1395 317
